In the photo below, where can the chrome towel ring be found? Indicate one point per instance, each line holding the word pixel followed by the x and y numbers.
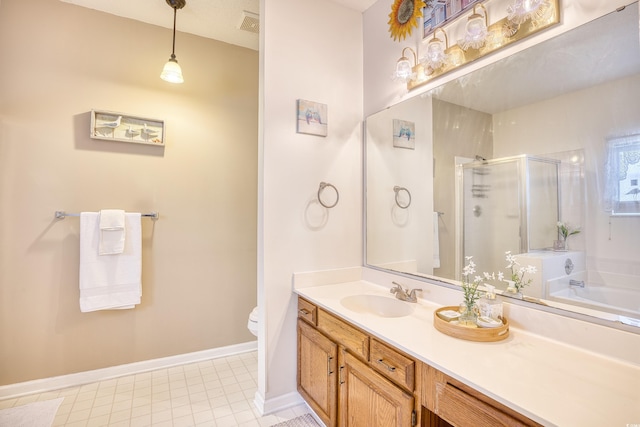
pixel 397 190
pixel 323 185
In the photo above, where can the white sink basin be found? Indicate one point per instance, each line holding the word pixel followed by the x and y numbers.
pixel 378 305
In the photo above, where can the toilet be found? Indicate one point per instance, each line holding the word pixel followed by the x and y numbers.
pixel 252 323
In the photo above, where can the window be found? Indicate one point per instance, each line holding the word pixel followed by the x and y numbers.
pixel 623 175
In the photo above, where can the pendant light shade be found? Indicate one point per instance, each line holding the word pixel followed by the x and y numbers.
pixel 404 67
pixel 172 72
pixel 476 30
pixel 436 53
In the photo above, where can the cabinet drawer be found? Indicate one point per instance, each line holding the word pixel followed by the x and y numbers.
pixel 462 405
pixel 393 365
pixel 461 408
pixel 307 311
pixel 344 334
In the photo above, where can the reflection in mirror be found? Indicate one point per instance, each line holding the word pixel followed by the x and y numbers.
pixel 498 157
pixel 508 204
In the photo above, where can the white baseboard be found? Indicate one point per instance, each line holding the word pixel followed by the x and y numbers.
pixel 80 378
pixel 279 403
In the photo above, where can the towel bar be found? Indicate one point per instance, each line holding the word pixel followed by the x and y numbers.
pixel 63 215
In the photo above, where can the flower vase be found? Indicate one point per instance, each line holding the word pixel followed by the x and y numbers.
pixel 468 315
pixel 560 245
pixel 512 290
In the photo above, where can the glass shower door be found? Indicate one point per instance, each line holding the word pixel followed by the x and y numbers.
pixel 492 206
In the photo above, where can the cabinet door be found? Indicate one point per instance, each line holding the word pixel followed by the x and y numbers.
pixel 317 364
pixel 367 399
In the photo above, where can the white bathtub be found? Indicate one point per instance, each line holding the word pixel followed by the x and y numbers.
pixel 623 301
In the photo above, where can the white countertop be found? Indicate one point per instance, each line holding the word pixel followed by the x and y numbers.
pixel 550 382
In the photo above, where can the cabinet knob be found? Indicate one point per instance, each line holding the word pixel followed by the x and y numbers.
pixel 329 359
pixel 303 311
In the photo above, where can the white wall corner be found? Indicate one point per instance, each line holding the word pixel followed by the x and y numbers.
pixel 278 403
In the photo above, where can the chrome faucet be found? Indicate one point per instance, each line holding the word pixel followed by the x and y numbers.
pixel 404 294
pixel 579 283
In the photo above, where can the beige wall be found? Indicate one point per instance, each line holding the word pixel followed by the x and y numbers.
pixel 199 259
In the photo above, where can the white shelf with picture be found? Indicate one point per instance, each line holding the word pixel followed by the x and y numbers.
pixel 113 126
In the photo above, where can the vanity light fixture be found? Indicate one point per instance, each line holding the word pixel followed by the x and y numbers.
pixel 436 55
pixel 523 10
pixel 172 72
pixel 476 37
pixel 404 67
pixel 476 30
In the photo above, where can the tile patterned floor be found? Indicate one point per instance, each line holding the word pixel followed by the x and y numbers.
pixel 216 393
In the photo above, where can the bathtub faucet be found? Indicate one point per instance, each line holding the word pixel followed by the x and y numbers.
pixel 579 283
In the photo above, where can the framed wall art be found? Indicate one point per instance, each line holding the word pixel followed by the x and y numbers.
pixel 404 134
pixel 112 126
pixel 312 118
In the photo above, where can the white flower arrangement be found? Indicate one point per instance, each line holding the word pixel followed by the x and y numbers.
pixel 518 272
pixel 469 286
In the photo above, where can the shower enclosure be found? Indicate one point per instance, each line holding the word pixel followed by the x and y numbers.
pixel 506 204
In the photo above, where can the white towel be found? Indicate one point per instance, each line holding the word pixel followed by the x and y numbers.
pixel 109 282
pixel 112 232
pixel 436 241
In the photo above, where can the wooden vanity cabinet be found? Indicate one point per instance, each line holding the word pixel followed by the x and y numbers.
pixel 351 379
pixel 341 385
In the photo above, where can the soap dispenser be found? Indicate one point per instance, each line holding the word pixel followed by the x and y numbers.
pixel 489 305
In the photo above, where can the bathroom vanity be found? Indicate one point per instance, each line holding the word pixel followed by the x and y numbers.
pixel 349 377
pixel 377 365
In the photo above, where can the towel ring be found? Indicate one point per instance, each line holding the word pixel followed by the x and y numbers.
pixel 323 185
pixel 397 190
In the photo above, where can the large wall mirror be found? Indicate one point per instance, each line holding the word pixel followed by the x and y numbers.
pixel 493 161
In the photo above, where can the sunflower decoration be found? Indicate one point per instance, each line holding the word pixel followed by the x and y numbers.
pixel 404 17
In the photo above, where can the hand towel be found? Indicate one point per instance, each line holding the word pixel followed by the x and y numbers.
pixel 114 281
pixel 112 232
pixel 436 241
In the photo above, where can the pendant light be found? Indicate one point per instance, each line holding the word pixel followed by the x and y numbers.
pixel 172 72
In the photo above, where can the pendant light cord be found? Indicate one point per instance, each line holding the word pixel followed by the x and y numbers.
pixel 173 50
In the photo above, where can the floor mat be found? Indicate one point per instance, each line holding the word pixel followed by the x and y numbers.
pixel 36 414
pixel 305 420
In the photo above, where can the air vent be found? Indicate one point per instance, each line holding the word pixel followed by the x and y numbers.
pixel 250 22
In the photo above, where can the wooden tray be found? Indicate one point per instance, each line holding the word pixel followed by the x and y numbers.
pixel 471 334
